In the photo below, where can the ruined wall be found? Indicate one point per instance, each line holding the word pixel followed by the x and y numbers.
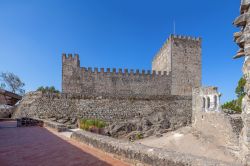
pixel 112 83
pixel 225 128
pixel 214 123
pixel 66 109
pixel 180 56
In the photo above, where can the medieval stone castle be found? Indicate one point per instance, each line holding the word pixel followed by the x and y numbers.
pixel 176 69
pixel 151 103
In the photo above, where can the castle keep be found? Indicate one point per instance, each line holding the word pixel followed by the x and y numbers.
pixel 176 69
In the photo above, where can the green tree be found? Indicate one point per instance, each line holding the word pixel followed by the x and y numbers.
pixel 235 105
pixel 232 105
pixel 47 89
pixel 240 88
pixel 13 82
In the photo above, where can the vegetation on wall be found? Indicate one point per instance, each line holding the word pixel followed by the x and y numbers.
pixel 235 105
pixel 47 89
pixel 93 125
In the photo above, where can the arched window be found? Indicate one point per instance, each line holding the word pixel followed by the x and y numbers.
pixel 204 102
pixel 215 101
pixel 208 102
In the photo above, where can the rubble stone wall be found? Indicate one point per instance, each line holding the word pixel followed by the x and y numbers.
pixel 212 122
pixel 220 125
pixel 67 109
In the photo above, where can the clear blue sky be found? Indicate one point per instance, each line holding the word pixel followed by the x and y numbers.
pixel 114 33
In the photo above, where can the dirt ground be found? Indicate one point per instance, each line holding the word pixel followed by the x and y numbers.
pixel 187 140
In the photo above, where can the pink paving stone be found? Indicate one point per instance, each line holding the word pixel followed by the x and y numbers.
pixel 37 146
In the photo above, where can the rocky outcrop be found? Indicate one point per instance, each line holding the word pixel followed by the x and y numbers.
pixel 156 123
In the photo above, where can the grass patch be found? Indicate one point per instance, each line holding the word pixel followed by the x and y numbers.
pixel 88 124
pixel 139 136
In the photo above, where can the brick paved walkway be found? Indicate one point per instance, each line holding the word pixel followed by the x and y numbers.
pixel 36 146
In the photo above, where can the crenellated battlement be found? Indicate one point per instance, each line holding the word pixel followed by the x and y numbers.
pixel 113 82
pixel 70 56
pixel 71 59
pixel 170 39
pixel 176 70
pixel 186 37
pixel 127 72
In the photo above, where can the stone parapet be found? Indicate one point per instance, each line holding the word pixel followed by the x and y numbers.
pixel 55 126
pixel 138 153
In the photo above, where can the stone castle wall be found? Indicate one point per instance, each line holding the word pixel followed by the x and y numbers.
pixel 67 108
pixel 214 123
pixel 162 60
pixel 115 83
pixel 180 56
pixel 122 95
pixel 176 70
pixel 186 65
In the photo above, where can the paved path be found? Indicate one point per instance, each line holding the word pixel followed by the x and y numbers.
pixel 36 146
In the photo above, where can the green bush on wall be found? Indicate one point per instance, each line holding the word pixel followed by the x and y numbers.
pixel 87 124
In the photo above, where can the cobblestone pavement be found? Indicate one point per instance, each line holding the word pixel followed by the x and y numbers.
pixel 37 146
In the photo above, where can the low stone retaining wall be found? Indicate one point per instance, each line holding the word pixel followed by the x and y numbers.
pixel 55 126
pixel 27 122
pixel 6 119
pixel 143 154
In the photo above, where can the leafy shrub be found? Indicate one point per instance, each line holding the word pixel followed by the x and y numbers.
pixel 235 105
pixel 47 89
pixel 88 124
pixel 232 105
pixel 139 136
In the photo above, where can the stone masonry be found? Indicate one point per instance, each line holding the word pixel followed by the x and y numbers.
pixel 111 83
pixel 181 57
pixel 176 70
pixel 67 109
pixel 122 96
pixel 242 38
pixel 208 119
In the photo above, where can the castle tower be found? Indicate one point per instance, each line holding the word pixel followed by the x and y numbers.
pixel 181 57
pixel 70 72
